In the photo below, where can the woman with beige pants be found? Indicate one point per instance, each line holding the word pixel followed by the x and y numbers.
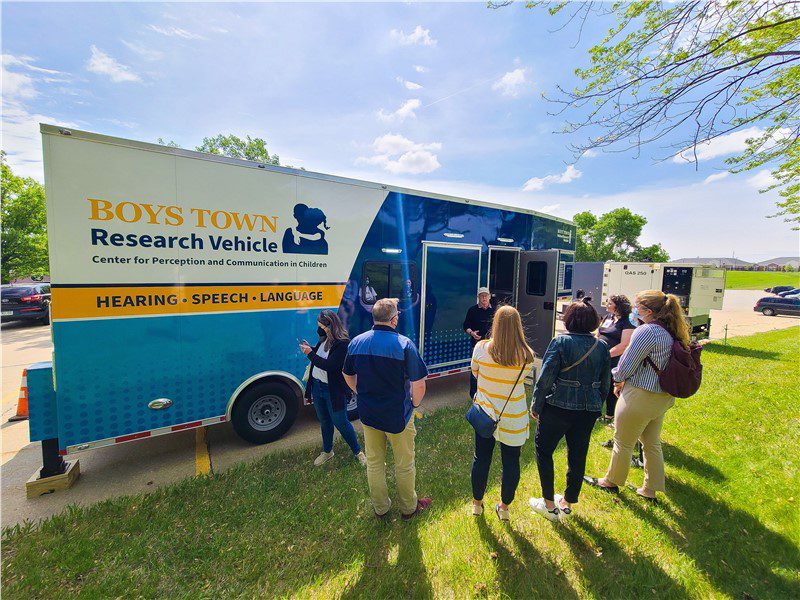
pixel 642 404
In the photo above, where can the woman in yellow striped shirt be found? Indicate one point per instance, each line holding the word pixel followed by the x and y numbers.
pixel 497 363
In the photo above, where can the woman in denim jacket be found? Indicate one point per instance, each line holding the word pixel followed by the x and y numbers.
pixel 566 402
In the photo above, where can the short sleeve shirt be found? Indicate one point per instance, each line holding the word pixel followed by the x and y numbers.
pixel 385 364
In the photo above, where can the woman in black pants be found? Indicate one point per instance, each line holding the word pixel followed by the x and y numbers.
pixel 566 402
pixel 616 331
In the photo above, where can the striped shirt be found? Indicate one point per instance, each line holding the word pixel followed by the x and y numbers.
pixel 494 385
pixel 647 340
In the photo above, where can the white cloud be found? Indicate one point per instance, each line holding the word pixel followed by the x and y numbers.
pixel 534 184
pixel 549 208
pixel 398 154
pixel 22 141
pixel 103 64
pixel 715 177
pixel 409 85
pixel 762 179
pixel 25 62
pixel 590 153
pixel 723 145
pixel 405 111
pixel 421 69
pixel 119 123
pixel 175 32
pixel 419 36
pixel 512 83
pixel 146 53
pixel 16 85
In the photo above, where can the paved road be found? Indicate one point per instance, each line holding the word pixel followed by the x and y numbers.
pixel 143 465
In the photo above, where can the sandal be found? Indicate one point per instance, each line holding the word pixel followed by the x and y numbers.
pixel 594 482
pixel 501 514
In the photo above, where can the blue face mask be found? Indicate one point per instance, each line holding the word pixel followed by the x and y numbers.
pixel 634 317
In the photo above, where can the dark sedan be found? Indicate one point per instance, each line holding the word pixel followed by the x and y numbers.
pixel 772 306
pixel 25 302
pixel 789 292
pixel 779 288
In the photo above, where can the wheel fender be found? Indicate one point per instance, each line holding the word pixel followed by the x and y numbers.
pixel 287 378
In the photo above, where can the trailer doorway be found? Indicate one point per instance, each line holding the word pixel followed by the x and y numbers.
pixel 503 275
pixel 450 280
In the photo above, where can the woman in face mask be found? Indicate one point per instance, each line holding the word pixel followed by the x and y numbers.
pixel 326 385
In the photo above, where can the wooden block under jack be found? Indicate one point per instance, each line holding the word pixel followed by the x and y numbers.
pixel 37 486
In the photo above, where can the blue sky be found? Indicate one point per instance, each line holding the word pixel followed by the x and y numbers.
pixel 439 97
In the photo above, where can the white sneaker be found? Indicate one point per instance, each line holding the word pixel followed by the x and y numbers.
pixel 502 514
pixel 477 509
pixel 538 506
pixel 323 458
pixel 362 458
pixel 563 513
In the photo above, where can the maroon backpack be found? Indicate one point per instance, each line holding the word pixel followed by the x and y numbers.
pixel 682 375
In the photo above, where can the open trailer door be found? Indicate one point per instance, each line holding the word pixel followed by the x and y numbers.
pixel 536 298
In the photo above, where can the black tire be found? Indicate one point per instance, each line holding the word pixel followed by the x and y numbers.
pixel 352 408
pixel 264 412
pixel 45 320
pixel 768 312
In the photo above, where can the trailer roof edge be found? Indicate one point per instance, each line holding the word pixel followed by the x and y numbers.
pixel 56 130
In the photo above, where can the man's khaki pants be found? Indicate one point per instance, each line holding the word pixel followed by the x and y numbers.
pixel 404 468
pixel 639 415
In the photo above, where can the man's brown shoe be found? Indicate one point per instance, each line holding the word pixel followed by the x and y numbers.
pixel 422 504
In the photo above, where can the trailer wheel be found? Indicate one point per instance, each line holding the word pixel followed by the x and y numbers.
pixel 352 408
pixel 264 412
pixel 768 312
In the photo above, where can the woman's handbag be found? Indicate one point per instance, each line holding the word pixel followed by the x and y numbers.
pixel 483 424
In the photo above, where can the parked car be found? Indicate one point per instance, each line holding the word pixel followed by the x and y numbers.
pixel 25 302
pixel 792 292
pixel 772 305
pixel 779 288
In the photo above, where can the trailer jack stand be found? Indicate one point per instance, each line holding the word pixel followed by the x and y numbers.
pixel 55 474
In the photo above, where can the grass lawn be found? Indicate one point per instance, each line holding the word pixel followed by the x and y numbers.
pixel 759 280
pixel 729 526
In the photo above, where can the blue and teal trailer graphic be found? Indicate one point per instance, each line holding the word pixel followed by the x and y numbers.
pixel 187 308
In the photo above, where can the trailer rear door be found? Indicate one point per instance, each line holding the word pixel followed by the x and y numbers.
pixel 536 300
pixel 450 275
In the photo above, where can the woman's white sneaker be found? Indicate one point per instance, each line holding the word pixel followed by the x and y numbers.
pixel 538 506
pixel 563 513
pixel 323 458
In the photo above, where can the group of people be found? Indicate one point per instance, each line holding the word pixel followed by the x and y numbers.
pixel 596 361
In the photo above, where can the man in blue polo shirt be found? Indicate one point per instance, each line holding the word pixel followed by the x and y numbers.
pixel 387 372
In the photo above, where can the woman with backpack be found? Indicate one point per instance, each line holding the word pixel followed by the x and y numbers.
pixel 642 403
pixel 566 402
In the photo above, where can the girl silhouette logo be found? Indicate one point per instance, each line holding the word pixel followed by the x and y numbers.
pixel 307 237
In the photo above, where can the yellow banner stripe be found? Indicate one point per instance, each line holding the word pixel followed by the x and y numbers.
pixel 121 301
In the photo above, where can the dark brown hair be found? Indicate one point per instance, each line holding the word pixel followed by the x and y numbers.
pixel 336 329
pixel 581 317
pixel 623 305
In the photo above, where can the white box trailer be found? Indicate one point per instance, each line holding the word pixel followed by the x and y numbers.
pixel 700 288
pixel 182 281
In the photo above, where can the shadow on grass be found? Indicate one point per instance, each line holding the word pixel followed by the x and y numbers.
pixel 738 554
pixel 524 569
pixel 610 571
pixel 717 348
pixel 675 456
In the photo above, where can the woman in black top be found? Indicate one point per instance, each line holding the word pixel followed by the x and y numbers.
pixel 326 385
pixel 616 332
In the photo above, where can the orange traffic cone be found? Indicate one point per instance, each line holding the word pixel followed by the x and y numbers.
pixel 22 403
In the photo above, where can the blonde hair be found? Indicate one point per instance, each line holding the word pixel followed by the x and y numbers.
pixel 507 345
pixel 668 312
pixel 384 309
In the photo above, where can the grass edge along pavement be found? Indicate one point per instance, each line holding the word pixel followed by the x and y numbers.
pixel 279 527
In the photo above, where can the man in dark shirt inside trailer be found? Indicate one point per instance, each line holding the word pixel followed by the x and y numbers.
pixel 478 325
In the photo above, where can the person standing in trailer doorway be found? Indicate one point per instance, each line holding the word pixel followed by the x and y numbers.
pixel 478 326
